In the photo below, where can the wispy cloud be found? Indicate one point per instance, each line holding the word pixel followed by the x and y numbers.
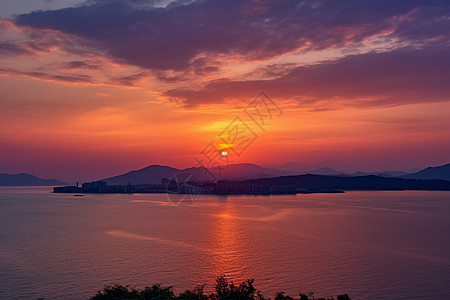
pixel 401 76
pixel 48 76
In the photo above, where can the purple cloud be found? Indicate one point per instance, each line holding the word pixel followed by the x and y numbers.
pixel 77 64
pixel 48 76
pixel 186 34
pixel 13 49
pixel 401 76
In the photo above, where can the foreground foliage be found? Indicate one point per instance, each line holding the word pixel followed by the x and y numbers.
pixel 223 290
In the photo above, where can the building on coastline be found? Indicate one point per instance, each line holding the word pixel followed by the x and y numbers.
pixel 173 186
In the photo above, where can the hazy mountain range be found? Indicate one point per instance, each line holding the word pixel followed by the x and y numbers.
pixel 330 167
pixel 440 172
pixel 322 183
pixel 153 174
pixel 27 180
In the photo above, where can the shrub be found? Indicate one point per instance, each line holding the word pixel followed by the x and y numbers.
pixel 223 290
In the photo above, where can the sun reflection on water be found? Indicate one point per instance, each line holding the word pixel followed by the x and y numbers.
pixel 228 245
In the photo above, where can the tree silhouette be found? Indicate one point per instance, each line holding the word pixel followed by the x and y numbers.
pixel 223 290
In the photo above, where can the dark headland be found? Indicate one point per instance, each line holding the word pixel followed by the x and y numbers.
pixel 267 186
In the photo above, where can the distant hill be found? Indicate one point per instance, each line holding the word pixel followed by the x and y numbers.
pixel 295 168
pixel 155 173
pixel 371 182
pixel 324 171
pixel 441 172
pixel 27 180
pixel 291 167
pixel 385 173
pixel 247 171
pixel 330 167
pixel 149 175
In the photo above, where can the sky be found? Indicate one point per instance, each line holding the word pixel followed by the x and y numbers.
pixel 91 89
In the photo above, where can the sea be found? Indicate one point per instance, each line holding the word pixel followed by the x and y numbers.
pixel 367 244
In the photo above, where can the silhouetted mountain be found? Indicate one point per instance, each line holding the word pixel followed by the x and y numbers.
pixel 385 173
pixel 246 171
pixel 324 171
pixel 291 167
pixel 27 180
pixel 440 172
pixel 371 182
pixel 149 175
pixel 328 167
pixel 155 173
pixel 299 168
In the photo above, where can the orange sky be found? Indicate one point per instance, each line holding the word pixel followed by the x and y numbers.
pixel 73 107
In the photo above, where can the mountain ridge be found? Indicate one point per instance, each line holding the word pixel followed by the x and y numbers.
pixel 24 179
pixel 439 172
pixel 313 183
pixel 153 174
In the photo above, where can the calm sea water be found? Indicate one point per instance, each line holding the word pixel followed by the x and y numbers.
pixel 394 245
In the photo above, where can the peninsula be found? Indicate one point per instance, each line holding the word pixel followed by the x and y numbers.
pixel 266 186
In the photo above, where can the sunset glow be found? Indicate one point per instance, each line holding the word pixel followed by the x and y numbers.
pixel 87 95
pixel 224 149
